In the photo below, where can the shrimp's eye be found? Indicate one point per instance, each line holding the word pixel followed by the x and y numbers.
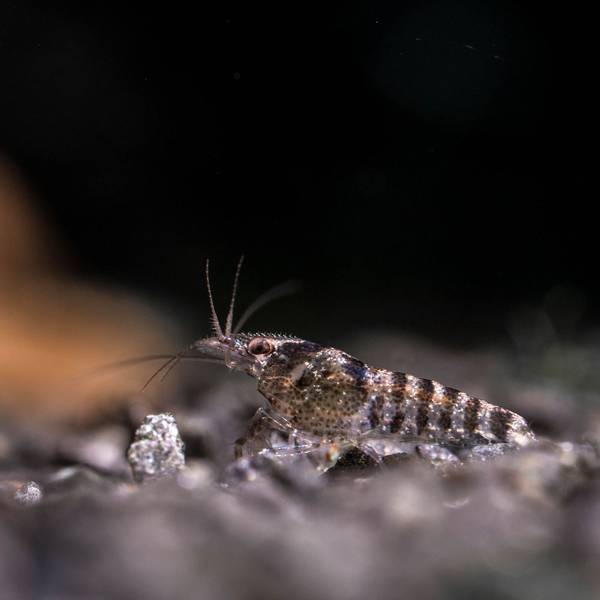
pixel 260 346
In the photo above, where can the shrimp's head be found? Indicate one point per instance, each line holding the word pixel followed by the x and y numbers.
pixel 295 376
pixel 262 356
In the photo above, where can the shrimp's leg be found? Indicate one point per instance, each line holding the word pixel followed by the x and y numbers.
pixel 267 429
pixel 269 433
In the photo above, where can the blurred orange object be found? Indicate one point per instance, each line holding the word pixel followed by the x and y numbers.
pixel 54 327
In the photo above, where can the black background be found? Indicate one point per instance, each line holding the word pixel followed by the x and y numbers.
pixel 424 166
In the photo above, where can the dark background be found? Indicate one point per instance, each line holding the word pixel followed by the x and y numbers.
pixel 423 166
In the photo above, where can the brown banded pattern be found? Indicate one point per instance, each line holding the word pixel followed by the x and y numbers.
pixel 424 398
pixel 330 394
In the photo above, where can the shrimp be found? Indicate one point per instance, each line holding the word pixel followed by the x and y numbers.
pixel 318 396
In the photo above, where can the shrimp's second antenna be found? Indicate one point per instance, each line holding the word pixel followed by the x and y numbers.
pixel 170 364
pixel 325 397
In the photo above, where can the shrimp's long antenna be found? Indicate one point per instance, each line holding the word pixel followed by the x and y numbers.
pixel 169 365
pixel 131 362
pixel 229 322
pixel 283 289
pixel 215 320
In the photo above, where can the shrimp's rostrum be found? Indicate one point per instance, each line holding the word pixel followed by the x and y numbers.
pixel 327 397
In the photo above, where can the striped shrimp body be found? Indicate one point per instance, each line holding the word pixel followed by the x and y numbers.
pixel 319 396
pixel 325 396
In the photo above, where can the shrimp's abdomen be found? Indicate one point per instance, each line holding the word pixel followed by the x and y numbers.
pixel 412 408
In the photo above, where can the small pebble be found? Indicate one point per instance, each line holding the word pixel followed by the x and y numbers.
pixel 157 450
pixel 28 494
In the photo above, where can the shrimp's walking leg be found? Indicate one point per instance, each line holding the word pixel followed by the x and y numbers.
pixel 266 430
pixel 270 433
